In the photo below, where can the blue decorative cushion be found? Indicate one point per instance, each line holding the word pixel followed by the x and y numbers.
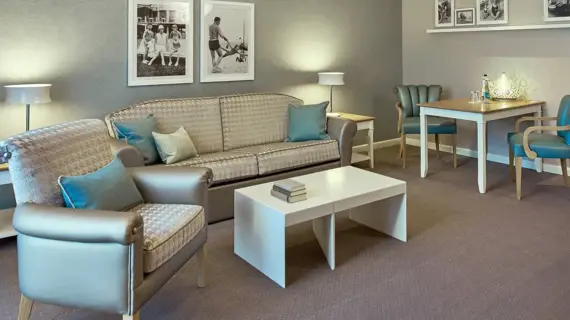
pixel 110 188
pixel 139 135
pixel 308 122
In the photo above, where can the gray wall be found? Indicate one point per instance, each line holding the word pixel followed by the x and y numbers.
pixel 80 47
pixel 458 60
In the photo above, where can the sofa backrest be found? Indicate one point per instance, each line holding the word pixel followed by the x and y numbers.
pixel 199 116
pixel 254 119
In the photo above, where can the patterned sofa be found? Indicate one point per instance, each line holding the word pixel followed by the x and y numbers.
pixel 241 138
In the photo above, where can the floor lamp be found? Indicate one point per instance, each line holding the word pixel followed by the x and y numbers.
pixel 28 94
pixel 331 79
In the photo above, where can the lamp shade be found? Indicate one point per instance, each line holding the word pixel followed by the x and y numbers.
pixel 331 78
pixel 28 94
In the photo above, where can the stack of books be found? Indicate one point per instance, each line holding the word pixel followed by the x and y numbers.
pixel 289 190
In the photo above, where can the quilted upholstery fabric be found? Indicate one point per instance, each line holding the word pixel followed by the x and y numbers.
pixel 283 156
pixel 226 166
pixel 167 229
pixel 200 117
pixel 39 157
pixel 255 119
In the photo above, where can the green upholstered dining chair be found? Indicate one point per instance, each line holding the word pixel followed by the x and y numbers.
pixel 534 143
pixel 409 97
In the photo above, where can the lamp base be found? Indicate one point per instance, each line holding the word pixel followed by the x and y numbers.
pixel 333 114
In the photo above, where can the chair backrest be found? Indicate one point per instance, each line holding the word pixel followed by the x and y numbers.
pixel 564 118
pixel 37 158
pixel 410 96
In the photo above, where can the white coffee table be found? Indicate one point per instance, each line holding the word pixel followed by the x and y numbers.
pixel 374 200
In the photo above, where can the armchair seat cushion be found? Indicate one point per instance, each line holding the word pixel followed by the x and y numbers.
pixel 544 144
pixel 167 229
pixel 283 156
pixel 226 166
pixel 411 125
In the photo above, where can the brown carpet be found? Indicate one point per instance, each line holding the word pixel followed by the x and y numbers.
pixel 469 256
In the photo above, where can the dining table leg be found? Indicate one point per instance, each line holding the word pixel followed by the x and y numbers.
pixel 424 144
pixel 482 155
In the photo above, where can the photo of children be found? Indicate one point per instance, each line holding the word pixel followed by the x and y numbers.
pixel 163 42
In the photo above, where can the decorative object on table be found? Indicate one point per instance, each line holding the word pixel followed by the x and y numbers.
pixel 465 17
pixel 556 10
pixel 505 88
pixel 485 91
pixel 331 79
pixel 161 42
pixel 289 190
pixel 492 12
pixel 409 117
pixel 227 43
pixel 175 147
pixel 308 123
pixel 444 11
pixel 536 143
pixel 28 94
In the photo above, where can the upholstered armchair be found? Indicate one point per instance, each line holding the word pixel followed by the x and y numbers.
pixel 534 143
pixel 409 116
pixel 100 260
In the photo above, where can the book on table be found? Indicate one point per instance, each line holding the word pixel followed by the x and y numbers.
pixel 289 199
pixel 290 193
pixel 290 185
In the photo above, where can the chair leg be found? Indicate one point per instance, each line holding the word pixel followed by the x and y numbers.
pixel 518 165
pixel 133 317
pixel 437 145
pixel 511 164
pixel 25 308
pixel 404 147
pixel 454 138
pixel 400 154
pixel 202 256
pixel 563 164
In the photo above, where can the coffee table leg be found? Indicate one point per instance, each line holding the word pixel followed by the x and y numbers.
pixel 324 229
pixel 259 238
pixel 387 216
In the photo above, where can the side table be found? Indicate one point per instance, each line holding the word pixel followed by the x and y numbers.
pixel 364 123
pixel 6 228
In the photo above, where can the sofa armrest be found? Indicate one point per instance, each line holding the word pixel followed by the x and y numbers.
pixel 129 155
pixel 73 225
pixel 174 185
pixel 344 131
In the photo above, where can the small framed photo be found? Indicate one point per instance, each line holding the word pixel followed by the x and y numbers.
pixel 492 12
pixel 444 11
pixel 161 42
pixel 227 50
pixel 556 10
pixel 465 17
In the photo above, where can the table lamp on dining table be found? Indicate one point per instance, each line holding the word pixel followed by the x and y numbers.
pixel 331 79
pixel 28 94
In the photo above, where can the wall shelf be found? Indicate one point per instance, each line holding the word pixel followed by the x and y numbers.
pixel 501 28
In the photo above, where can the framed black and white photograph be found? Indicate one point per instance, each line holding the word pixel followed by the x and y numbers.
pixel 556 10
pixel 444 11
pixel 492 12
pixel 465 17
pixel 227 41
pixel 161 42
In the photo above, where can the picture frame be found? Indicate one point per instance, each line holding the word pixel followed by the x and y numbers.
pixel 444 13
pixel 465 17
pixel 492 12
pixel 556 10
pixel 231 55
pixel 160 42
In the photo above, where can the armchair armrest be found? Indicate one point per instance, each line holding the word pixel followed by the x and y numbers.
pixel 343 131
pixel 400 110
pixel 525 119
pixel 129 155
pixel 88 226
pixel 531 154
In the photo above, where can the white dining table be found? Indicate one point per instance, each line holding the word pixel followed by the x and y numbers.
pixel 481 113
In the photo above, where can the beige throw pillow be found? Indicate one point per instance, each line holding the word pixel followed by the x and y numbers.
pixel 174 147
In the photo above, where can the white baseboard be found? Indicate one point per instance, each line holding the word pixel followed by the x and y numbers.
pixel 377 145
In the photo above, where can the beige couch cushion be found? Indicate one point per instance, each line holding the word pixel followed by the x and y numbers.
pixel 167 229
pixel 255 119
pixel 200 117
pixel 226 166
pixel 283 156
